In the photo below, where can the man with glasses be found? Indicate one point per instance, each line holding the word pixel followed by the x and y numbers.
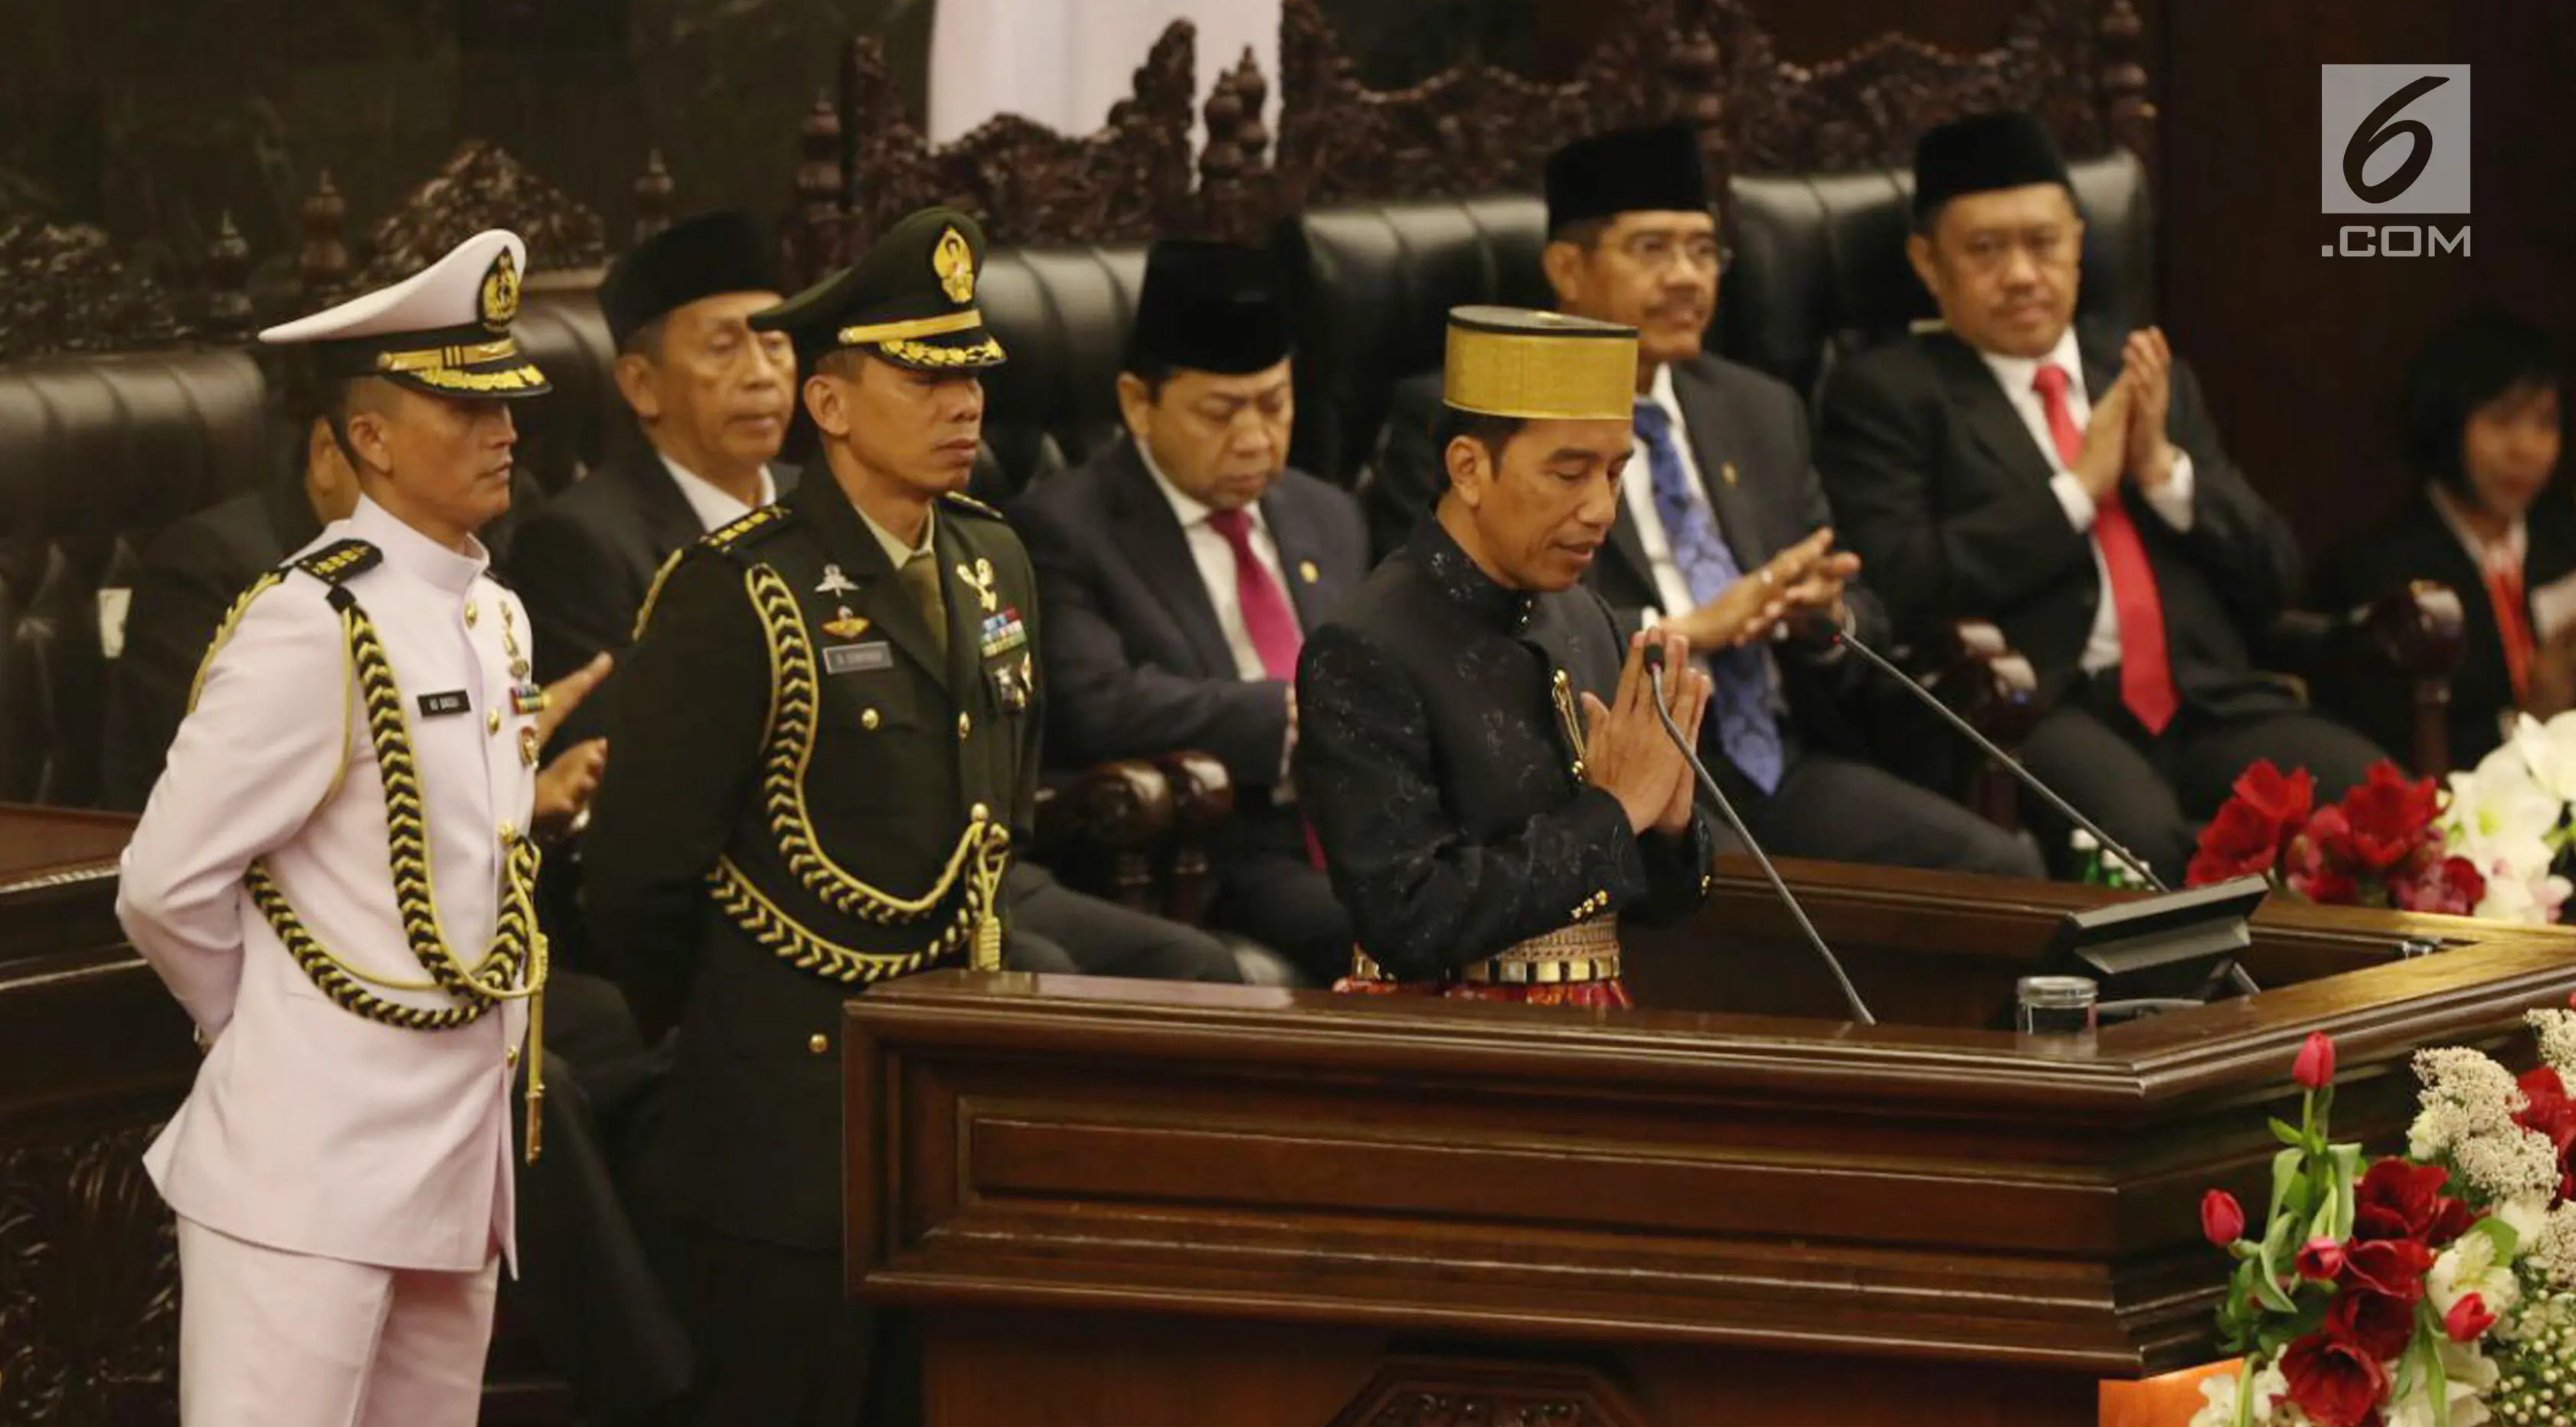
pixel 2068 484
pixel 1723 532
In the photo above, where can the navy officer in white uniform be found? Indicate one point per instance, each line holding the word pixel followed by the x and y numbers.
pixel 332 876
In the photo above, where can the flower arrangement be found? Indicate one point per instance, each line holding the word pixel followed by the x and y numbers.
pixel 2489 845
pixel 2431 1289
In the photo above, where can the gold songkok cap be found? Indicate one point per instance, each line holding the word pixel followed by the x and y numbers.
pixel 1540 366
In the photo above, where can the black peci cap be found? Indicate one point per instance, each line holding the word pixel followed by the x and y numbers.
pixel 705 256
pixel 1981 153
pixel 1209 307
pixel 1626 171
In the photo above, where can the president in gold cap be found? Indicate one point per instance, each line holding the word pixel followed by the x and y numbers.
pixel 1479 750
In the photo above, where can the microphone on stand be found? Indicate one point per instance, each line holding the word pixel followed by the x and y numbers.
pixel 2236 974
pixel 1708 785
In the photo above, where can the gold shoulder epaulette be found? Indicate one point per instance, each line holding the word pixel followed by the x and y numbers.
pixel 340 561
pixel 970 505
pixel 726 537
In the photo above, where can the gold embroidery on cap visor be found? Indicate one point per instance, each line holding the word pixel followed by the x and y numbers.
pixel 1573 376
pixel 500 296
pixel 954 262
pixel 987 353
pixel 522 378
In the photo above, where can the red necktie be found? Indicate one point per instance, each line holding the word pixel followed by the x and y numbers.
pixel 2513 622
pixel 2146 674
pixel 1266 615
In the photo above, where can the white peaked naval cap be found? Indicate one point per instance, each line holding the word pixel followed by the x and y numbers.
pixel 444 330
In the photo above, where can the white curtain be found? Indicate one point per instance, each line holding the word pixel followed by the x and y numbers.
pixel 1062 63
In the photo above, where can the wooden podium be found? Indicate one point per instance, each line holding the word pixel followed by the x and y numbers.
pixel 1150 1205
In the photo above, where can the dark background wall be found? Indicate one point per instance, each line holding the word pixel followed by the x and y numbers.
pixel 151 120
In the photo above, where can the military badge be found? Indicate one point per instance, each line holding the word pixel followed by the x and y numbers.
pixel 528 745
pixel 499 305
pixel 845 625
pixel 527 699
pixel 1011 688
pixel 954 262
pixel 1002 633
pixel 981 578
pixel 835 583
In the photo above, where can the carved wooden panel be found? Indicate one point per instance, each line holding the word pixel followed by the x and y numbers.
pixel 63 289
pixel 89 1286
pixel 479 187
pixel 1462 1392
pixel 1027 183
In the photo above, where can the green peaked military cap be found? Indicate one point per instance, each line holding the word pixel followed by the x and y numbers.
pixel 910 300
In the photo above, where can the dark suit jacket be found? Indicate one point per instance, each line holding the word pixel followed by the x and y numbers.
pixel 188 578
pixel 1136 661
pixel 584 561
pixel 2418 545
pixel 1945 494
pixel 1446 787
pixel 1748 433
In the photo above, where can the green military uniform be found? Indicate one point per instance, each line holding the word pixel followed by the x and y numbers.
pixel 820 766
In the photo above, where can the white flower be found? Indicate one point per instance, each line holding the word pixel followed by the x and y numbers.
pixel 2550 751
pixel 2469 1376
pixel 2469 1266
pixel 2499 816
pixel 2551 1253
pixel 2524 1214
pixel 2218 1394
pixel 2557 1033
pixel 2531 898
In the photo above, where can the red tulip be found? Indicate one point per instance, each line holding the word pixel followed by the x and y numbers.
pixel 2315 1066
pixel 2468 1319
pixel 2222 1219
pixel 2319 1259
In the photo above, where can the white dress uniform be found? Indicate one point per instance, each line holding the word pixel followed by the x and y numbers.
pixel 341 1168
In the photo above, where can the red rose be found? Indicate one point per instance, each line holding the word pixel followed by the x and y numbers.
pixel 2468 1319
pixel 2550 1113
pixel 2320 1259
pixel 2397 1200
pixel 2246 836
pixel 2285 798
pixel 2385 818
pixel 2239 842
pixel 2315 1064
pixel 2222 1219
pixel 2445 884
pixel 2336 1383
pixel 2373 1322
pixel 2391 1268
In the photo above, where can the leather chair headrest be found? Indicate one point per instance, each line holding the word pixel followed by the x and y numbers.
pixel 1820 268
pixel 1063 315
pixel 1371 287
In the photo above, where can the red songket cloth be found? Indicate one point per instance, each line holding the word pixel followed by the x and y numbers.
pixel 1610 993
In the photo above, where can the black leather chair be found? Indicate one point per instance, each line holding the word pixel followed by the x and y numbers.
pixel 96 455
pixel 1063 315
pixel 1372 285
pixel 1819 269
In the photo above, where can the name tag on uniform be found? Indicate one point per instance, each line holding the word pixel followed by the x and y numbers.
pixel 857 658
pixel 454 701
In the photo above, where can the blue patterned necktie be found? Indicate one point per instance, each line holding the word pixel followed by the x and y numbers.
pixel 1746 727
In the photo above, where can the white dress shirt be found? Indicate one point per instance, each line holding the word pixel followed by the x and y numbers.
pixel 2171 503
pixel 1637 493
pixel 310 1128
pixel 713 504
pixel 1215 559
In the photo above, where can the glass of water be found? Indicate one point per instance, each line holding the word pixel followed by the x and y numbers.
pixel 2054 1005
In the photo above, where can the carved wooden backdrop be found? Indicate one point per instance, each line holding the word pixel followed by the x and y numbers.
pixel 862 163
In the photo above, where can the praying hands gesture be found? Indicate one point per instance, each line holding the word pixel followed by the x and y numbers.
pixel 1626 751
pixel 2126 436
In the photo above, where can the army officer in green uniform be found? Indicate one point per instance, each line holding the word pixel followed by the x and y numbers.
pixel 827 749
